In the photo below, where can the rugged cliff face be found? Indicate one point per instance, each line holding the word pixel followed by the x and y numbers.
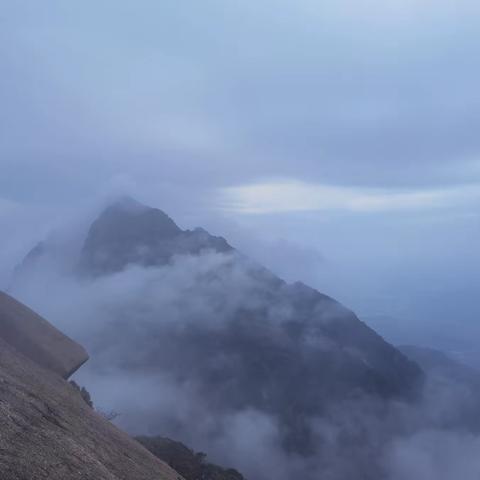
pixel 35 338
pixel 47 431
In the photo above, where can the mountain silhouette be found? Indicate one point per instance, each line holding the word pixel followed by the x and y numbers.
pixel 238 336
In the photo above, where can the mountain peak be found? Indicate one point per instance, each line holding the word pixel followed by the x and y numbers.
pixel 127 203
pixel 128 232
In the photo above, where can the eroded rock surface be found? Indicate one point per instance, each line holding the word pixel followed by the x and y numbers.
pixel 37 339
pixel 47 431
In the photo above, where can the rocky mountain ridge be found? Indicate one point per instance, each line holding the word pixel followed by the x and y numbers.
pixel 209 324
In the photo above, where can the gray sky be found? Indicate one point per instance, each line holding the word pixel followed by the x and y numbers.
pixel 335 141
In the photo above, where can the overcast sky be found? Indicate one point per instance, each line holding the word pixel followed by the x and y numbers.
pixel 336 141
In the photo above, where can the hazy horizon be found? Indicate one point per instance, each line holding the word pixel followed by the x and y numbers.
pixel 335 144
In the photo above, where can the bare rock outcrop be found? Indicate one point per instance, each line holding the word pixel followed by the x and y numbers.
pixel 47 431
pixel 30 334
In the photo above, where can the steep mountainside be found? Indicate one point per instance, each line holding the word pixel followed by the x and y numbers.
pixel 47 431
pixel 190 311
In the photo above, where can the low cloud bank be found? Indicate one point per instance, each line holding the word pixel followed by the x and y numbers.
pixel 153 336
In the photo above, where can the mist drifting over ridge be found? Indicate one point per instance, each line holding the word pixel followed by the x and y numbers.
pixel 207 346
pixel 332 142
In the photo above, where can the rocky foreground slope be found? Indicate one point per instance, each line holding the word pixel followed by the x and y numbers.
pixel 47 431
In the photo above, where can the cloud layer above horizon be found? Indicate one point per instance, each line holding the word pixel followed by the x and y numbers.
pixel 347 130
pixel 223 94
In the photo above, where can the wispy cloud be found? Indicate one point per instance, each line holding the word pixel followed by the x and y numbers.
pixel 292 196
